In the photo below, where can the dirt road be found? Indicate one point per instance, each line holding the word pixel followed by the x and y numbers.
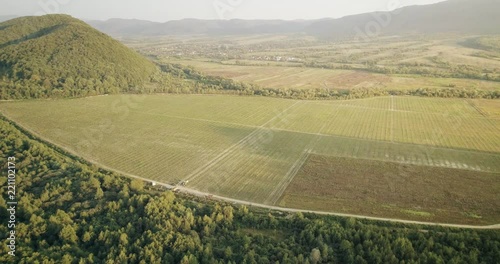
pixel 291 210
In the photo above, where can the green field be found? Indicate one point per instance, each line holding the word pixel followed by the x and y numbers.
pixel 251 148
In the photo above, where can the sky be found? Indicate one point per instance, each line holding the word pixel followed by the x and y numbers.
pixel 166 10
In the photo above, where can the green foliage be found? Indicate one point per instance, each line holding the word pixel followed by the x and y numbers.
pixel 154 226
pixel 59 56
pixel 137 185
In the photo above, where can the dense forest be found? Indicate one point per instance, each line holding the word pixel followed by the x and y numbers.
pixel 70 211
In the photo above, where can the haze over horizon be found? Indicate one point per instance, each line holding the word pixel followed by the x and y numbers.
pixel 167 10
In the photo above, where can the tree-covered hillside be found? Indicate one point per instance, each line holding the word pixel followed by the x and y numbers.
pixel 69 211
pixel 57 55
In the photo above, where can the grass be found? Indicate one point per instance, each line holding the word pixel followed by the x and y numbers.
pixel 387 189
pixel 251 148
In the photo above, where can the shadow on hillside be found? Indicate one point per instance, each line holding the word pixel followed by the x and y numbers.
pixel 5 27
pixel 34 35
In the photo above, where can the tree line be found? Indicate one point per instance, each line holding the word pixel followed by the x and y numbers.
pixel 213 84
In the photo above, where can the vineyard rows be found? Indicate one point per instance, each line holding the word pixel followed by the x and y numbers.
pixel 251 148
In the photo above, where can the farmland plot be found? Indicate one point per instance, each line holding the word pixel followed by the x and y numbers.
pixel 408 153
pixel 388 189
pixel 261 167
pixel 251 148
pixel 164 145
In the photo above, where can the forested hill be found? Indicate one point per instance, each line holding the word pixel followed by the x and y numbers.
pixel 57 55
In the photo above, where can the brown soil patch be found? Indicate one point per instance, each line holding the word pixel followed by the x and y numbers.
pixel 393 190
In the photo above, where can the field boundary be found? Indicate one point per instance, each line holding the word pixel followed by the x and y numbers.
pixel 292 210
pixel 276 194
pixel 200 170
pixel 483 113
pixel 479 110
pixel 295 168
pixel 61 149
pixel 405 163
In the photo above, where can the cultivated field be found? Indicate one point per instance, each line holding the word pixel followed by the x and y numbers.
pixel 285 76
pixel 302 62
pixel 390 189
pixel 252 148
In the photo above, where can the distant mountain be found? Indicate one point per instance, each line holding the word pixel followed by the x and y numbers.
pixel 60 55
pixel 124 27
pixel 117 26
pixel 461 16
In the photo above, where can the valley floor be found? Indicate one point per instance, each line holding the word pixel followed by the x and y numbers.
pixel 274 152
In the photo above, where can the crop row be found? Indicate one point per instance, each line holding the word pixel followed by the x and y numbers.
pixel 254 170
pixel 250 148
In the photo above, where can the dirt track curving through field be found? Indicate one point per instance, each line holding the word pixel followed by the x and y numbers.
pixel 291 210
pixel 197 193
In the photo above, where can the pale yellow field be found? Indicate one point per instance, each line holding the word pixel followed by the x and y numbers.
pixel 312 78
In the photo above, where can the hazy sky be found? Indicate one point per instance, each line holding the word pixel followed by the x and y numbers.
pixel 165 10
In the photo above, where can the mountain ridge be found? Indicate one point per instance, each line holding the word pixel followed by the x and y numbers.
pixel 190 26
pixel 452 16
